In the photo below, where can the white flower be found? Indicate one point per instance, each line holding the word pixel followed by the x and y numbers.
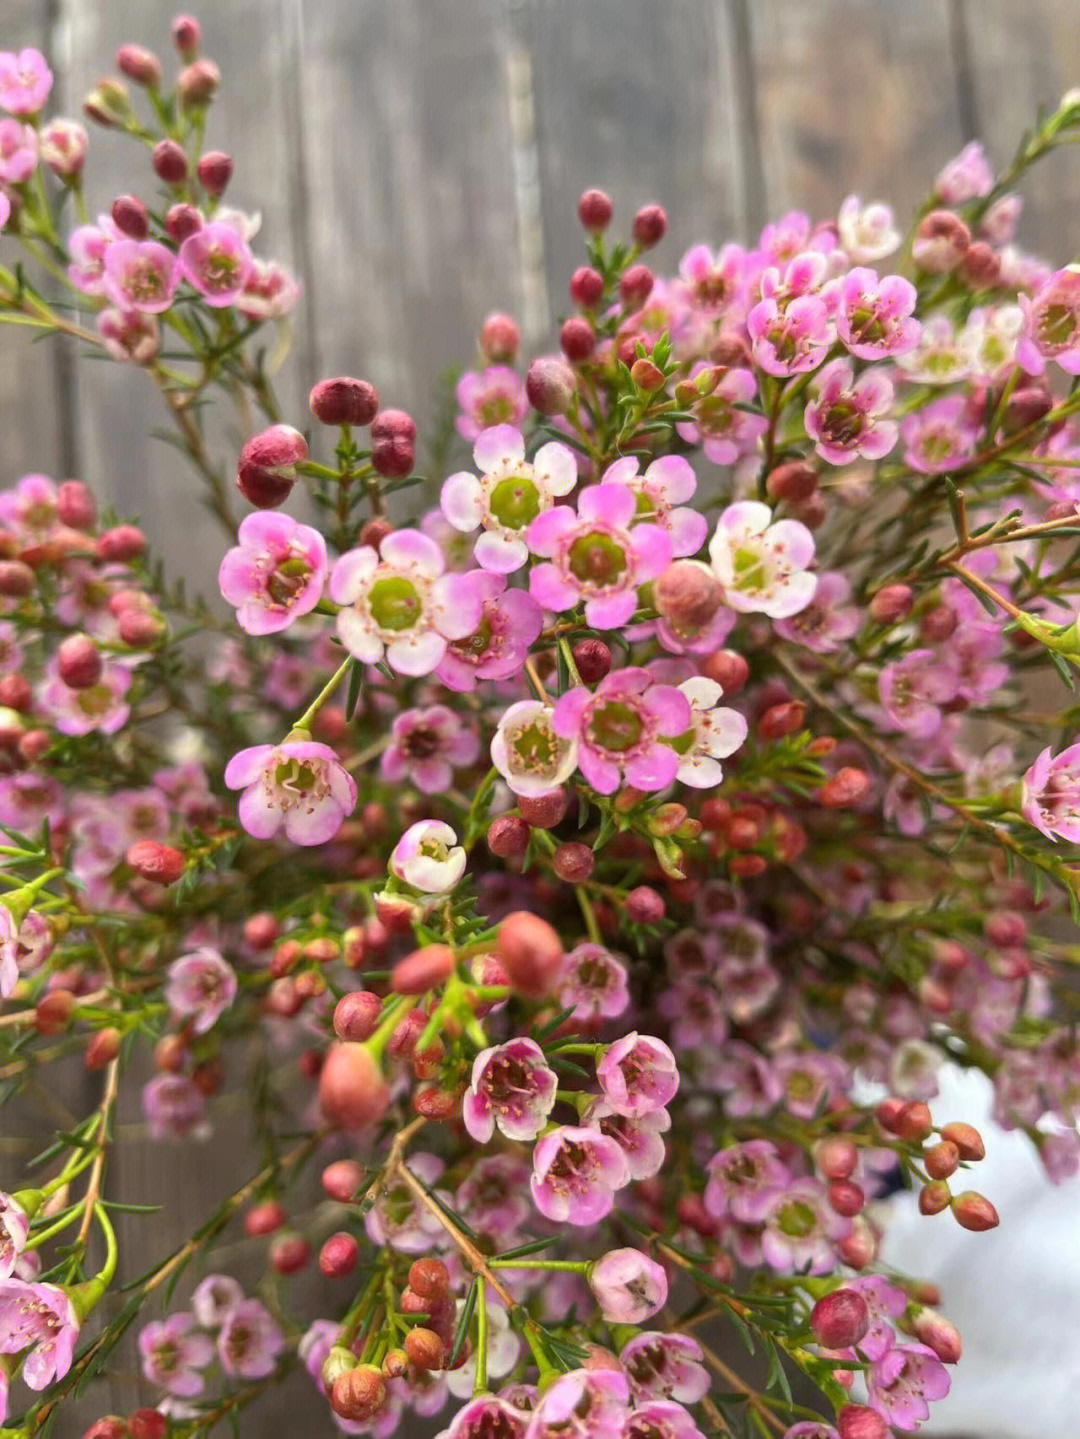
pixel 715 731
pixel 867 232
pixel 528 753
pixel 428 857
pixel 761 565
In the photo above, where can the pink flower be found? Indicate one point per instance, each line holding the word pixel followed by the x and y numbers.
pixel 41 1318
pixel 249 1342
pixel 25 81
pixel 129 335
pixel 595 556
pixel 215 261
pixel 811 1429
pixel 713 283
pixel 18 152
pixel 593 981
pixel 30 508
pixel 140 275
pixel 828 620
pixel 494 397
pixel 102 706
pixel 201 988
pixel 661 1419
pixel 621 730
pixel 913 689
pixel 939 436
pixel 88 246
pixel 513 1088
pixel 507 496
pixel 9 950
pixel 532 757
pixel 639 1139
pixel 14 1230
pixel 1050 794
pixel 213 1298
pixel 714 733
pixel 275 574
pixel 967 176
pixel 269 291
pixel 174 1108
pixel 428 857
pixel 427 746
pixel 744 1179
pixel 866 232
pixel 582 1404
pixel 790 327
pixel 660 498
pixel 724 431
pixel 874 315
pixel 486 1417
pixel 886 1302
pixel 844 419
pixel 629 1286
pixel 904 1382
pixel 64 144
pixel 302 786
pixel 802 1230
pixel 763 566
pixel 398 1219
pixel 172 1355
pixel 510 620
pixel 1052 324
pixel 665 1366
pixel 638 1075
pixel 28 798
pixel 576 1172
pixel 398 603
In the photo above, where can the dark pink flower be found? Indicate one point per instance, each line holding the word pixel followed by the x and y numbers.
pixel 576 1172
pixel 275 574
pixel 593 981
pixel 913 689
pixel 623 730
pixel 140 275
pixel 486 1417
pixel 744 1179
pixel 638 1075
pixel 939 437
pixel 301 786
pixel 14 1228
pixel 495 396
pixel 427 745
pixel 712 283
pixel 1052 324
pixel 660 1419
pixel 513 1088
pixel 216 261
pixel 174 1108
pixel 874 315
pixel 18 152
pixel 510 620
pixel 723 430
pixel 41 1318
pixel 845 420
pixel 1051 794
pixel 904 1382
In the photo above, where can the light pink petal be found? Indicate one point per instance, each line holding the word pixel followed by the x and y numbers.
pixel 359 638
pixel 676 475
pixel 502 554
pixel 247 766
pixel 462 501
pixel 500 442
pixel 259 812
pixel 413 549
pixel 549 589
pixel 314 826
pixel 608 612
pixel 607 503
pixel 416 654
pixel 350 572
pixel 556 468
pixel 687 531
pixel 548 528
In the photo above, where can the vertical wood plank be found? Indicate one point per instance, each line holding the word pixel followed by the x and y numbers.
pixel 413 214
pixel 30 439
pixel 638 101
pixel 853 96
pixel 1024 56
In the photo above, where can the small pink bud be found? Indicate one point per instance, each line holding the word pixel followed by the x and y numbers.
pixel 121 543
pixel 980 267
pixel 393 443
pixel 508 836
pixel 157 862
pixel 687 594
pixel 267 469
pixel 261 930
pixel 650 226
pixel 290 1253
pixel 794 482
pixel 215 169
pixel 973 1211
pixel 181 221
pixel 938 624
pixel 338 1256
pixel 531 953
pixel 729 669
pixel 197 84
pixel 856 1421
pixel 131 217
pixel 549 385
pixel 781 720
pixel 913 1121
pixel 935 1331
pixel 141 629
pixel 422 970
pixel 543 811
pixel 352 1090
pixel 859 1248
pixel 586 287
pixel 79 662
pixel 940 242
pixel 577 338
pixel 836 1158
pixel 636 285
pixel 499 339
pixel 840 1319
pixel 847 788
pixel 75 505
pixel 644 905
pixel 344 401
pixel 846 1198
pixel 342 1180
pixel 140 65
pixel 891 603
pixel 357 1015
pixel 593 660
pixel 265 1218
pixel 595 210
pixel 187 36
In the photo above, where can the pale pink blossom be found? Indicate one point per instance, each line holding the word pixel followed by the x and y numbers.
pixel 763 565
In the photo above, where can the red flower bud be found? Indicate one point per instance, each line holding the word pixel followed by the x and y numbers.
pixel 508 836
pixel 75 505
pixel 131 217
pixel 847 788
pixel 781 719
pixel 102 1048
pixel 147 1424
pixel 913 1122
pixel 650 226
pixel 688 595
pixel 181 221
pixel 531 953
pixel 856 1421
pixel 358 1394
pixel 342 1180
pixel 593 660
pixel 728 669
pixel 595 210
pixel 636 285
pixel 266 471
pixel 836 1158
pixel 840 1319
pixel 140 65
pixel 645 906
pixel 549 384
pixel 53 1012
pixel 393 443
pixel 338 1256
pixel 424 1348
pixel 429 1278
pixel 973 1211
pixel 357 1015
pixel 934 1197
pixel 157 862
pixel 935 1331
pixel 794 482
pixel 499 339
pixel 577 338
pixel 352 1090
pixel 78 662
pixel 573 862
pixel 940 242
pixel 215 169
pixel 967 1139
pixel 846 1198
pixel 16 579
pixel 123 542
pixel 586 287
pixel 543 811
pixel 422 970
pixel 111 1426
pixel 265 1218
pixel 170 162
pixel 344 401
pixel 941 1160
pixel 187 36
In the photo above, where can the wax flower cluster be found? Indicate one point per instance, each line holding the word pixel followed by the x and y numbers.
pixel 576 861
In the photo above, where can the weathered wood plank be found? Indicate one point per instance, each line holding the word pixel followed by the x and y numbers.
pixel 852 97
pixel 414 238
pixel 30 435
pixel 638 101
pixel 1024 56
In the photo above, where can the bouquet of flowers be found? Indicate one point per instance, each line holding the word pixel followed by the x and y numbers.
pixel 580 858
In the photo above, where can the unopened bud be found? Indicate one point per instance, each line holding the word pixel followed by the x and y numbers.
pixel 424 1348
pixel 595 210
pixel 940 242
pixel 108 103
pixel 840 1319
pixel 75 505
pixel 187 36
pixel 338 1256
pixel 102 1048
pixel 170 162
pixel 266 471
pixel 573 862
pixel 941 1160
pixel 781 720
pixel 157 862
pixel 728 669
pixel 856 1421
pixel 543 811
pixel 344 401
pixel 578 339
pixel 973 1211
pixel 934 1197
pixel 531 953
pixel 499 339
pixel 393 443
pixel 644 905
pixel 650 226
pixel 422 970
pixel 687 594
pixel 78 662
pixel 197 84
pixel 913 1121
pixel 352 1090
pixel 121 543
pixel 847 788
pixel 936 1332
pixel 793 482
pixel 357 1015
pixel 647 376
pixel 586 287
pixel 358 1394
pixel 508 836
pixel 429 1278
pixel 342 1180
pixel 215 169
pixel 140 65
pixel 182 220
pixel 636 285
pixel 130 216
pixel 967 1139
pixel 593 660
pixel 549 384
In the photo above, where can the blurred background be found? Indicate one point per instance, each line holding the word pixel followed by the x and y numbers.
pixel 417 164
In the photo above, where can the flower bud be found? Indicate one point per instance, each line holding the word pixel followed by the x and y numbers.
pixel 265 1218
pixel 729 670
pixel 187 36
pixel 934 1197
pixel 393 443
pixel 266 471
pixel 130 216
pixel 357 1015
pixel 53 1012
pixel 687 594
pixel 846 1198
pixel 358 1394
pixel 157 862
pixel 940 242
pixel 967 1139
pixel 650 226
pixel 102 1048
pixel 644 905
pixel 181 221
pixel 147 1424
pixel 140 630
pixel 289 1254
pixel 342 1180
pixel 780 720
pixel 140 65
pixel 108 103
pixel 531 953
pixel 941 1160
pixel 549 384
pixel 858 1248
pixel 422 970
pixel 215 169
pixel 170 162
pixel 856 1421
pixel 935 1331
pixel 574 862
pixel 980 267
pixel 973 1211
pixel 586 287
pixel 424 1348
pixel 847 788
pixel 577 338
pixel 395 1364
pixel 794 482
pixel 197 84
pixel 352 1090
pixel 110 1426
pixel 344 401
pixel 63 148
pixel 16 579
pixel 122 543
pixel 78 662
pixel 836 1157
pixel 595 210
pixel 508 836
pixel 593 660
pixel 429 1278
pixel 15 693
pixel 636 285
pixel 913 1121
pixel 647 376
pixel 840 1319
pixel 1026 406
pixel 543 811
pixel 499 339
pixel 938 624
pixel 75 505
